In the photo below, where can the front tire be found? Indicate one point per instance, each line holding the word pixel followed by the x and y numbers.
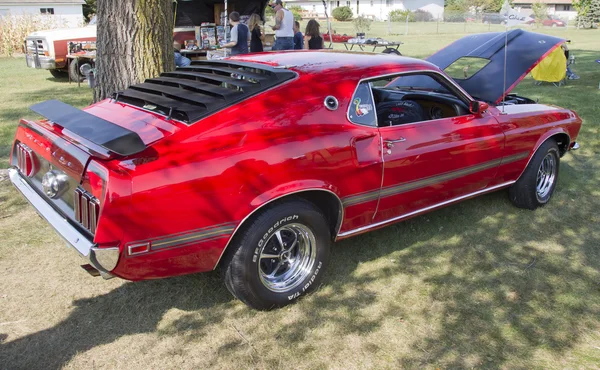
pixel 74 72
pixel 536 185
pixel 279 256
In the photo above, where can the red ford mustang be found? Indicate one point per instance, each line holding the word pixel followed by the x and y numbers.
pixel 256 164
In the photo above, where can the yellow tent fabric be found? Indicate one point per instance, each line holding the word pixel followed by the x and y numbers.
pixel 553 68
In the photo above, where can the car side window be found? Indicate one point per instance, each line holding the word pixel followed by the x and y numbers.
pixel 412 98
pixel 362 110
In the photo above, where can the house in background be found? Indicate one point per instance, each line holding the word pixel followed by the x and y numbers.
pixel 375 9
pixel 561 8
pixel 66 12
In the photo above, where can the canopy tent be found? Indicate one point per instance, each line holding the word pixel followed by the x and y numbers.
pixel 192 13
pixel 553 68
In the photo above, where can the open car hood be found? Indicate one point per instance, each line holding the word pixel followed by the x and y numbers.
pixel 525 50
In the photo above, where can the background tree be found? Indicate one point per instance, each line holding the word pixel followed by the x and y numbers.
pixel 477 6
pixel 296 12
pixel 593 13
pixel 582 7
pixel 540 10
pixel 135 42
pixel 89 9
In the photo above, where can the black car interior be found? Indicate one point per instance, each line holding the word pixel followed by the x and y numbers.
pixel 397 106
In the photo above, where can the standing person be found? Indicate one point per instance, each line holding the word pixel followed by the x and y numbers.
pixel 240 35
pixel 256 45
pixel 312 37
pixel 284 27
pixel 570 74
pixel 298 37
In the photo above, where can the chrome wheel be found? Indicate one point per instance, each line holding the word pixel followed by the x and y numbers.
pixel 546 176
pixel 287 258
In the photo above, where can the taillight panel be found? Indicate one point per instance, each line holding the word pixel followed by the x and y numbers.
pixel 86 209
pixel 26 162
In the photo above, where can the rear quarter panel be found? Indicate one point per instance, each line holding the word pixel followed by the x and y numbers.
pixel 191 190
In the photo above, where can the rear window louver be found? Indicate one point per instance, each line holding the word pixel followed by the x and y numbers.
pixel 190 93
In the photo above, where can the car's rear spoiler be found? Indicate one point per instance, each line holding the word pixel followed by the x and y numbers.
pixel 101 132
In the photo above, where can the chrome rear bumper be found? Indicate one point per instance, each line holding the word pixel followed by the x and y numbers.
pixel 102 259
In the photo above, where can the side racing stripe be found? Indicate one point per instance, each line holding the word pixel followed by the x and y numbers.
pixel 187 238
pixel 429 181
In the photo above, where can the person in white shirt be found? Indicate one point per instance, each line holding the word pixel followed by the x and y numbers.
pixel 284 27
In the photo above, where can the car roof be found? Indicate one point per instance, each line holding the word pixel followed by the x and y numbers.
pixel 309 62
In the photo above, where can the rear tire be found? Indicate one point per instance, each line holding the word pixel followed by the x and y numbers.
pixel 279 256
pixel 536 185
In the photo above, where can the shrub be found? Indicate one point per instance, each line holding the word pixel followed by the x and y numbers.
pixel 342 13
pixel 361 24
pixel 14 29
pixel 296 11
pixel 400 15
pixel 454 17
pixel 422 16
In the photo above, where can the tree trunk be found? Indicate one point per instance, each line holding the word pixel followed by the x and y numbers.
pixel 135 42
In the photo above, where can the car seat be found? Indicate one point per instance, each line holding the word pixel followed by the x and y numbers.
pixel 394 113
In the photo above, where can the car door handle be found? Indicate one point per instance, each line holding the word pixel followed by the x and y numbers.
pixel 390 143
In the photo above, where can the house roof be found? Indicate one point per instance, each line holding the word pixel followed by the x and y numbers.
pixel 40 2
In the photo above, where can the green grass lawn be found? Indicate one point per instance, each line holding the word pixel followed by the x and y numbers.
pixel 481 284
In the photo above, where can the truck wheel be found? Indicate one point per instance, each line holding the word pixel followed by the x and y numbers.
pixel 279 256
pixel 58 73
pixel 536 185
pixel 74 72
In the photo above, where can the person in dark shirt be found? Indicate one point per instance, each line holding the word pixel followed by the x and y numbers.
pixel 240 35
pixel 312 37
pixel 256 38
pixel 298 37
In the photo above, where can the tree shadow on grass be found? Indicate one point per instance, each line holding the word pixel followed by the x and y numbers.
pixel 503 294
pixel 507 283
pixel 130 309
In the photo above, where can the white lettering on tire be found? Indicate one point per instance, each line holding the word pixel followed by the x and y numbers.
pixel 265 237
pixel 308 284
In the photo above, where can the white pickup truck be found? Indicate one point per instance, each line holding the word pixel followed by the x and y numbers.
pixel 48 50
